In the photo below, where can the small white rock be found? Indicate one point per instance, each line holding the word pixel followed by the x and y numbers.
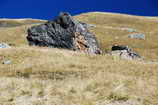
pixel 4 45
pixel 7 62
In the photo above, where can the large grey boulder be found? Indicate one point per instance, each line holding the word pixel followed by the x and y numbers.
pixel 64 32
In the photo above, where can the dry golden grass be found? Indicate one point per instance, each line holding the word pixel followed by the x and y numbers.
pixel 46 76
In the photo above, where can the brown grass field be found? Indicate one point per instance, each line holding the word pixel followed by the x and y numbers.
pixel 47 76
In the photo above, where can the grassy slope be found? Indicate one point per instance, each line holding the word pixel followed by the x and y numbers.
pixel 109 27
pixel 44 76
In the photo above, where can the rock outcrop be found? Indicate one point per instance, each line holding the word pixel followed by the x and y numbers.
pixel 64 32
pixel 124 52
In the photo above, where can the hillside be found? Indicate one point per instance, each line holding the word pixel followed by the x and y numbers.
pixel 45 76
pixel 114 29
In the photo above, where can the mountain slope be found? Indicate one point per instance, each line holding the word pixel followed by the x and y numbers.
pixel 114 29
pixel 44 76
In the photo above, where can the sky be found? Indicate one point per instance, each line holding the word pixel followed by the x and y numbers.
pixel 47 9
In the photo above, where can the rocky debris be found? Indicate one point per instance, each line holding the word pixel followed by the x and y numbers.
pixel 137 36
pixel 4 45
pixel 124 52
pixel 90 26
pixel 7 62
pixel 116 48
pixel 64 32
pixel 129 29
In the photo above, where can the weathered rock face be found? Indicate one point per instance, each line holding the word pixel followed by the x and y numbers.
pixel 64 32
pixel 124 52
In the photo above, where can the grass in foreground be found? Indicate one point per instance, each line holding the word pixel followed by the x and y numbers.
pixel 43 76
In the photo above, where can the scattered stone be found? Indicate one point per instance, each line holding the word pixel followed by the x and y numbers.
pixel 64 32
pixel 137 36
pixel 124 52
pixel 116 48
pixel 91 25
pixel 129 29
pixel 7 62
pixel 88 25
pixel 4 45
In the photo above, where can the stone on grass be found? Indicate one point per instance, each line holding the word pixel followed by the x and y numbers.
pixel 91 26
pixel 7 62
pixel 88 25
pixel 129 29
pixel 137 36
pixel 4 45
pixel 124 52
